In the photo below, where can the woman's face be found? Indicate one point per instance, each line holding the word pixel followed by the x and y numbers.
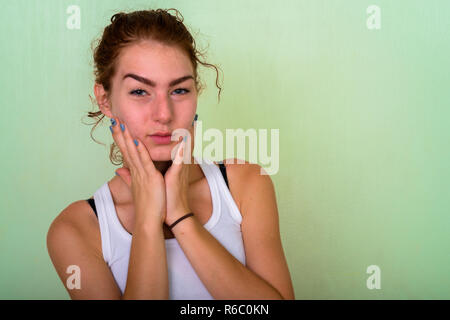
pixel 158 105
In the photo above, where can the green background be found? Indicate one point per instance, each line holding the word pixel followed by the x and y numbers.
pixel 363 118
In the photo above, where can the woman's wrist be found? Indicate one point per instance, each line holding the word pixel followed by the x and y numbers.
pixel 186 226
pixel 175 214
pixel 180 219
pixel 150 221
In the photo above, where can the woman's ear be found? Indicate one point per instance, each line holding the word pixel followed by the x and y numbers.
pixel 102 100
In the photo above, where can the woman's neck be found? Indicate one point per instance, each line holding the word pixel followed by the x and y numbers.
pixel 162 166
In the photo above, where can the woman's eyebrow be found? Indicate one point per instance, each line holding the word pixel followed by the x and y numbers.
pixel 152 83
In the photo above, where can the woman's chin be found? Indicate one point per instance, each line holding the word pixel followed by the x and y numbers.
pixel 160 153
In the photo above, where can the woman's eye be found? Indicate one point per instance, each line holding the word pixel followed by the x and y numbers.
pixel 136 92
pixel 186 90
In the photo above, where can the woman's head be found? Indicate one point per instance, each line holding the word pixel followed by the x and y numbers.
pixel 147 45
pixel 147 108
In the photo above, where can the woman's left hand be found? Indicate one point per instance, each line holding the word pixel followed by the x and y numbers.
pixel 177 182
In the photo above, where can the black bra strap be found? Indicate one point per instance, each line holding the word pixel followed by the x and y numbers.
pixel 92 204
pixel 223 169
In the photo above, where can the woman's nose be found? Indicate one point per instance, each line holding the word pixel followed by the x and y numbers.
pixel 163 111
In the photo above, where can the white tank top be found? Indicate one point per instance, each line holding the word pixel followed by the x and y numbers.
pixel 184 284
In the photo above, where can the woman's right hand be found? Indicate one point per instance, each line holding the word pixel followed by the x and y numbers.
pixel 145 181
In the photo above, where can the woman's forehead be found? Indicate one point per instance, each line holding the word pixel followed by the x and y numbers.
pixel 154 60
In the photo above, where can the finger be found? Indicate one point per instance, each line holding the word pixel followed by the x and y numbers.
pixel 178 160
pixel 144 155
pixel 118 139
pixel 125 138
pixel 125 175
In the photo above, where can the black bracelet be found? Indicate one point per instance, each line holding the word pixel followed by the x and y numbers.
pixel 183 217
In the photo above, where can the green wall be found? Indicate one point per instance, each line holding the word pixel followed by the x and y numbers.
pixel 363 118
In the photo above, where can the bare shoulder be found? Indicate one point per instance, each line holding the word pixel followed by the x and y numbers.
pixel 73 245
pixel 77 219
pixel 241 169
pixel 241 174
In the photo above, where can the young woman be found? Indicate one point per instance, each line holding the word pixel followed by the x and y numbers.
pixel 163 228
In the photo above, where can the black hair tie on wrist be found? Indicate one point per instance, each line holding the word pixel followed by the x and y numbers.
pixel 182 218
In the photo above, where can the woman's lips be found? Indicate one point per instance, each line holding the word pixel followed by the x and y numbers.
pixel 161 139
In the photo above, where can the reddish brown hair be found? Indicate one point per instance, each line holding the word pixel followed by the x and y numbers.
pixel 128 28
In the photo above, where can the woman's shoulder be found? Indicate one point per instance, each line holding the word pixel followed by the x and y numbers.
pixel 239 174
pixel 240 168
pixel 79 218
pixel 77 213
pixel 236 169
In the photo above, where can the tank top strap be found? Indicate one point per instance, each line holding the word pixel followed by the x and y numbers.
pixel 106 226
pixel 223 188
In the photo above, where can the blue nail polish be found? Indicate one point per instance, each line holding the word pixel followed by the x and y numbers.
pixel 122 127
pixel 135 142
pixel 116 173
pixel 113 122
pixel 110 128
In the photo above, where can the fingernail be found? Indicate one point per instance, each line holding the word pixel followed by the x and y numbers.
pixel 195 119
pixel 116 174
pixel 122 126
pixel 110 128
pixel 135 142
pixel 113 121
